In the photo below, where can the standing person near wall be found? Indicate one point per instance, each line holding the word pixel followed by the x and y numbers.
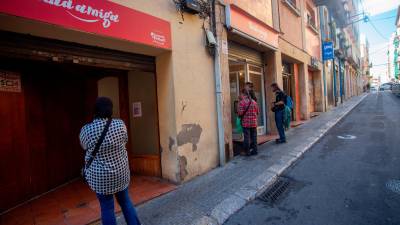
pixel 106 162
pixel 249 87
pixel 278 107
pixel 248 112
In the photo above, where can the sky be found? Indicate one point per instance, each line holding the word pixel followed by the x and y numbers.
pixel 383 15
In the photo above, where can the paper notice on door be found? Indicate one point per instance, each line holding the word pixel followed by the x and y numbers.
pixel 224 47
pixel 10 82
pixel 137 109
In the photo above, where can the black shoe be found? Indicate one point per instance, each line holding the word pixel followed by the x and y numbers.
pixel 278 141
pixel 254 152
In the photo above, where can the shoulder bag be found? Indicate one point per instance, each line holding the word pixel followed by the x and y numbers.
pixel 247 109
pixel 96 149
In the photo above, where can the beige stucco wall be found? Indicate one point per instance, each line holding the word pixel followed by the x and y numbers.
pixel 260 9
pixel 313 40
pixel 298 43
pixel 186 95
pixel 313 43
pixel 291 25
pixel 185 84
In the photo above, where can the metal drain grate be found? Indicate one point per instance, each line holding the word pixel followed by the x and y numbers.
pixel 272 194
pixel 394 186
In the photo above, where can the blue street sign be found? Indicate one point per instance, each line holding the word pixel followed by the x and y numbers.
pixel 327 50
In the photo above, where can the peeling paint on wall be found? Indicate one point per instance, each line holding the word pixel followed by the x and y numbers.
pixel 184 104
pixel 171 143
pixel 182 168
pixel 190 133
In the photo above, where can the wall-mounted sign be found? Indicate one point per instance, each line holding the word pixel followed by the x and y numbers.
pixel 314 62
pixel 10 82
pixel 137 109
pixel 239 20
pixel 327 50
pixel 95 16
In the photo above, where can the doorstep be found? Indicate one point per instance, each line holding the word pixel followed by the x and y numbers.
pixel 262 139
pixel 76 204
pixel 266 138
pixel 315 114
pixel 297 123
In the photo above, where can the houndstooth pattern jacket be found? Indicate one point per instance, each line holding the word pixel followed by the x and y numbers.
pixel 109 172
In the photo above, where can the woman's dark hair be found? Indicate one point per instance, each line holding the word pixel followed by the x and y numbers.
pixel 103 108
pixel 253 95
pixel 250 94
pixel 275 85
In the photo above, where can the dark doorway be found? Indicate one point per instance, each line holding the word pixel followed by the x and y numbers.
pixel 39 145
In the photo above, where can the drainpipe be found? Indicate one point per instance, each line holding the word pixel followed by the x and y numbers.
pixel 322 29
pixel 340 81
pixel 218 92
pixel 334 80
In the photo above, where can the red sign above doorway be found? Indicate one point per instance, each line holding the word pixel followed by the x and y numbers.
pixel 240 20
pixel 95 16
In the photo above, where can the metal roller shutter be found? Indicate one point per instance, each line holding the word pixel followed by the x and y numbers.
pixel 29 47
pixel 239 51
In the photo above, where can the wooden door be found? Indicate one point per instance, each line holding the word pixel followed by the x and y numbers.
pixel 57 107
pixel 14 154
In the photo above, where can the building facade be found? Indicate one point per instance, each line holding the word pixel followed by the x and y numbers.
pixel 269 42
pixel 342 73
pixel 365 62
pixel 58 56
pixel 176 89
pixel 395 50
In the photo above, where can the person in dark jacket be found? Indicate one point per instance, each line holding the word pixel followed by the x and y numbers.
pixel 278 107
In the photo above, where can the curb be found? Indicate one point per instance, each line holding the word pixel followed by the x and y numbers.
pixel 221 213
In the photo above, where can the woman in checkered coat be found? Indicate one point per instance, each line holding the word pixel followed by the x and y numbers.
pixel 108 174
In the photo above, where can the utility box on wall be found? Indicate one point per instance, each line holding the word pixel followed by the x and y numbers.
pixel 192 6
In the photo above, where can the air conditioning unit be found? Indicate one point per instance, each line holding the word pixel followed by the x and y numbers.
pixel 192 6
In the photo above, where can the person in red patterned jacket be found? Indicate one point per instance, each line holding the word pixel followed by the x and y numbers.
pixel 248 112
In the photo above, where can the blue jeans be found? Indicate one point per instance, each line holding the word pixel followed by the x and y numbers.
pixel 107 208
pixel 279 124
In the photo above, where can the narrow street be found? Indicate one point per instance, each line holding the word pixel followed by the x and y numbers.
pixel 349 177
pixel 176 109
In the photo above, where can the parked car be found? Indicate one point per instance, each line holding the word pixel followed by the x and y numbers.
pixel 386 87
pixel 373 89
pixel 396 89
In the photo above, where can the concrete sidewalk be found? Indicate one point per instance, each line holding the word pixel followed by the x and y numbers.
pixel 215 196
